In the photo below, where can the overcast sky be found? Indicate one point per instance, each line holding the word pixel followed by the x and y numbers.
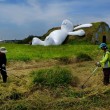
pixel 21 18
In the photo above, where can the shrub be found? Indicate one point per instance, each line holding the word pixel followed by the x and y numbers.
pixel 83 57
pixel 15 96
pixel 64 60
pixel 53 77
pixel 19 106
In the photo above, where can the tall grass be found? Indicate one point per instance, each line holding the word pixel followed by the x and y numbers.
pixel 53 77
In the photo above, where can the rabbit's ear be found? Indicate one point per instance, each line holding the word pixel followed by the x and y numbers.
pixel 82 26
pixel 78 32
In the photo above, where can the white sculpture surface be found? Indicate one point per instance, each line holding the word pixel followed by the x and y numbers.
pixel 57 37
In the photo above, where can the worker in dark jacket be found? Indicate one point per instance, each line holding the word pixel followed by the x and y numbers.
pixel 3 61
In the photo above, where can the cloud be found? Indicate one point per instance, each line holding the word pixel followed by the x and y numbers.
pixel 34 11
pixel 2 0
pixel 37 16
pixel 20 14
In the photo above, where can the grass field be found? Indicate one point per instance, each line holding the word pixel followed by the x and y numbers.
pixel 78 59
pixel 26 52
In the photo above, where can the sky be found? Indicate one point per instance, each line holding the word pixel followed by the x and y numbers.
pixel 21 18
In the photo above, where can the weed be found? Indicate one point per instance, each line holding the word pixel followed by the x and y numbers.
pixel 83 57
pixel 19 107
pixel 53 77
pixel 15 96
pixel 64 60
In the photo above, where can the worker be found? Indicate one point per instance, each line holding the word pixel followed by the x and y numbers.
pixel 3 61
pixel 105 63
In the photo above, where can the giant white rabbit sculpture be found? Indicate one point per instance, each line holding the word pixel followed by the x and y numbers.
pixel 57 37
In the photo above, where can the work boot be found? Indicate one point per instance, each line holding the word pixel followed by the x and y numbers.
pixel 5 79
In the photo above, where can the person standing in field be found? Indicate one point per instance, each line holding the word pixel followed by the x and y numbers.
pixel 105 63
pixel 3 61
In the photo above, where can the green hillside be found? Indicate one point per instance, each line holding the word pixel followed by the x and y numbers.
pixel 89 34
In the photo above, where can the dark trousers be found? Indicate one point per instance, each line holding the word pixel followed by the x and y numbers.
pixel 4 74
pixel 106 72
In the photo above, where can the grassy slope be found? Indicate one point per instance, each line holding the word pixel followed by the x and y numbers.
pixel 89 33
pixel 27 52
pixel 18 94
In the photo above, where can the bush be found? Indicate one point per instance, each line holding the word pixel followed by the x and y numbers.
pixel 15 95
pixel 64 60
pixel 52 77
pixel 83 57
pixel 19 107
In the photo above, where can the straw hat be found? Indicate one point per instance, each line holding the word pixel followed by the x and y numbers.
pixel 3 50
